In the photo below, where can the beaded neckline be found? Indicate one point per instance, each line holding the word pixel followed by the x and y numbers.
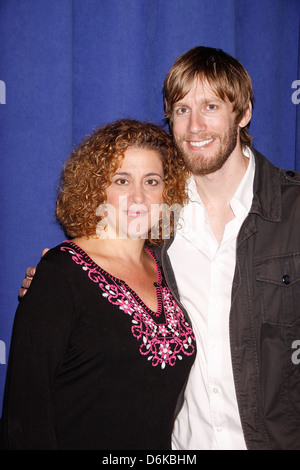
pixel 162 340
pixel 117 280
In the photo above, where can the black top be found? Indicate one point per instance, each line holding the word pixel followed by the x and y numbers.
pixel 91 366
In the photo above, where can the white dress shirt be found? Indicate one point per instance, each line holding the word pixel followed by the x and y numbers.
pixel 204 270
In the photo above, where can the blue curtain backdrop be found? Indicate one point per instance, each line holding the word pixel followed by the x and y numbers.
pixel 68 66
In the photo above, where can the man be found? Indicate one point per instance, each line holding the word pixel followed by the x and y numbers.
pixel 236 261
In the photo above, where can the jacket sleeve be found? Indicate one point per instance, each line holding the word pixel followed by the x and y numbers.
pixel 40 336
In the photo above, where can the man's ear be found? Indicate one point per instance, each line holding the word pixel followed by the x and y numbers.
pixel 247 116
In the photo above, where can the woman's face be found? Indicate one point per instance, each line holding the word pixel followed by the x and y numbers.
pixel 135 194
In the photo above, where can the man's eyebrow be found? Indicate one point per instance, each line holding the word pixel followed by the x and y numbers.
pixel 183 103
pixel 213 98
pixel 179 103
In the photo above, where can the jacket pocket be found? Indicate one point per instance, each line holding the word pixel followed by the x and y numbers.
pixel 279 282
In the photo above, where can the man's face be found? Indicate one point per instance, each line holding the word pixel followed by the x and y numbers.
pixel 205 129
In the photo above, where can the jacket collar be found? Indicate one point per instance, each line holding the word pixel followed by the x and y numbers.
pixel 266 192
pixel 266 189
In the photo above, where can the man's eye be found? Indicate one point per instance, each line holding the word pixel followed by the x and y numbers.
pixel 182 110
pixel 211 107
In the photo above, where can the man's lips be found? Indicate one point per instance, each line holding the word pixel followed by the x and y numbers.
pixel 200 144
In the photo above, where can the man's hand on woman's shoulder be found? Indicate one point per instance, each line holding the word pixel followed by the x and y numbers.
pixel 30 272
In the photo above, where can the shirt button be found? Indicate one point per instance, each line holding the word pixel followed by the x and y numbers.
pixel 286 279
pixel 219 429
pixel 215 390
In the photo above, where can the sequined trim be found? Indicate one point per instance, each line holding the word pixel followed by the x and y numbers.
pixel 164 340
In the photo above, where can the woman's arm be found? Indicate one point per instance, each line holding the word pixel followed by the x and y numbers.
pixel 40 336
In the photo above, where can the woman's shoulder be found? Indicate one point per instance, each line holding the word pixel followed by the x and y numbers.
pixel 53 277
pixel 58 256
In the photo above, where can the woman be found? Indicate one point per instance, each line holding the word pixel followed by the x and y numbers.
pixel 100 350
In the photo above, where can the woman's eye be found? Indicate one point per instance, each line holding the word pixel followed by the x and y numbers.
pixel 121 181
pixel 152 182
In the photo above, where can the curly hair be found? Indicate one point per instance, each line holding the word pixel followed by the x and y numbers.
pixel 88 171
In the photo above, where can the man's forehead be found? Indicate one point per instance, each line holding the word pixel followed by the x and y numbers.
pixel 200 89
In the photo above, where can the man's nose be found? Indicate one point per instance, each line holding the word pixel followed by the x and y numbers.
pixel 197 122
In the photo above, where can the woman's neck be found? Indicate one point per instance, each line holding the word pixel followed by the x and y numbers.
pixel 127 250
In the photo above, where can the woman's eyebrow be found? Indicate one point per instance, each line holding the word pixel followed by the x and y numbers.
pixel 122 173
pixel 154 174
pixel 125 173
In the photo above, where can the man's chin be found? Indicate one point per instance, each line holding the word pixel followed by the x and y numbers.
pixel 202 166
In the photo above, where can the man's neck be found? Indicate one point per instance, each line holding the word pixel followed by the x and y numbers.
pixel 217 189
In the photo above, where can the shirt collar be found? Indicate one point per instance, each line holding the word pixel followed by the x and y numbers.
pixel 192 191
pixel 242 199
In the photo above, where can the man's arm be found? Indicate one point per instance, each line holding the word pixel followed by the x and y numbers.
pixel 30 272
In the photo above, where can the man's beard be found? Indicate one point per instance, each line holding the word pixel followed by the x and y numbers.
pixel 201 165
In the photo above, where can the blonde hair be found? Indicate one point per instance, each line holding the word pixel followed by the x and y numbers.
pixel 223 73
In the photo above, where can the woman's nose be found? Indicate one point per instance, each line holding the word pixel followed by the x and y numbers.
pixel 138 194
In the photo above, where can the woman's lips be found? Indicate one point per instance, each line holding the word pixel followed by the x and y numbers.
pixel 136 213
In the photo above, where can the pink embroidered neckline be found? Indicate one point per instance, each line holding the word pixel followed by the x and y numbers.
pixel 120 281
pixel 162 343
